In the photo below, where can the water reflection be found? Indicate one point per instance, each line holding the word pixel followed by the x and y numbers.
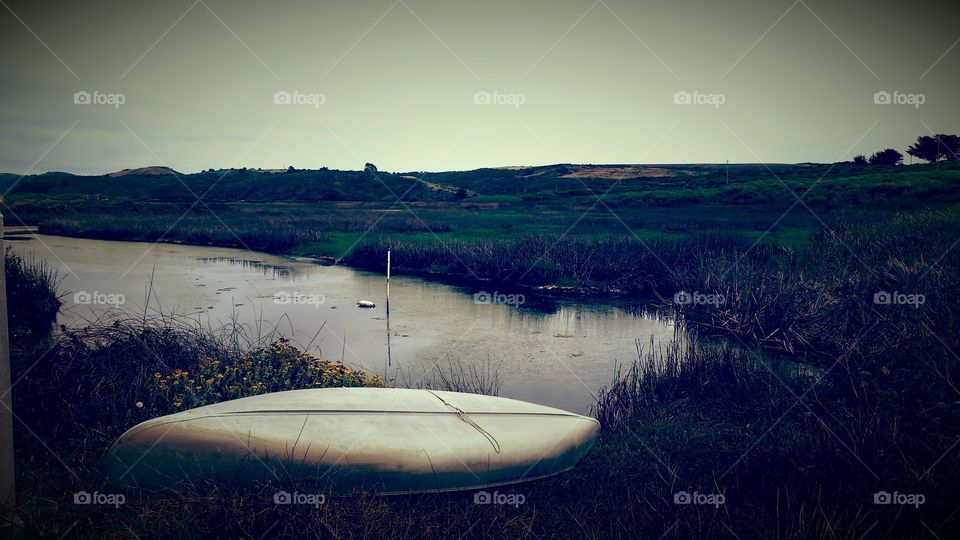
pixel 557 352
pixel 263 267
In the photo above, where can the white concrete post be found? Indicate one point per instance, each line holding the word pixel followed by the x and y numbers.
pixel 7 486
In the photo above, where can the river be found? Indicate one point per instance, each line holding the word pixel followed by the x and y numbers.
pixel 555 352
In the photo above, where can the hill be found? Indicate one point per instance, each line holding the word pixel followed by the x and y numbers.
pixel 642 186
pixel 145 171
pixel 163 184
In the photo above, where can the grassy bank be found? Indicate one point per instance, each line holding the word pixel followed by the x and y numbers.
pixel 717 421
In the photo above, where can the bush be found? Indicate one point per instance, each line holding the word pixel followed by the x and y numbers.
pixel 276 368
pixel 32 298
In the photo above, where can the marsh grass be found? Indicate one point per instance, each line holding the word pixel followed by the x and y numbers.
pixel 34 284
pixel 275 229
pixel 262 233
pixel 452 374
pixel 818 301
pixel 606 264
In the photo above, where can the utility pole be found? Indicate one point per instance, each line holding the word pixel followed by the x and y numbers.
pixel 7 485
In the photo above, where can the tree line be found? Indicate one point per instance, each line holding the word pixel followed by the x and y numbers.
pixel 930 149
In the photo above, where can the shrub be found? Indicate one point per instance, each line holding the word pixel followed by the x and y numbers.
pixel 32 298
pixel 276 368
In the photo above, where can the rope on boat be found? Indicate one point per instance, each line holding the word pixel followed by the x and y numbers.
pixel 466 418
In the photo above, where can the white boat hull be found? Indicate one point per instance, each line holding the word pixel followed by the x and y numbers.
pixel 340 440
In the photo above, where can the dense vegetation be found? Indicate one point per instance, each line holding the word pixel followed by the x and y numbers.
pixel 619 264
pixel 621 186
pixel 32 296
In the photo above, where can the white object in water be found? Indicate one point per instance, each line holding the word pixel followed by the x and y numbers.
pixel 340 440
pixel 365 304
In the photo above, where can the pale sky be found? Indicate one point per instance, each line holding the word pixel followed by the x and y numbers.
pixel 396 82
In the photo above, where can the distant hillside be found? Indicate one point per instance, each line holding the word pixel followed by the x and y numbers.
pixel 163 184
pixel 144 171
pixel 568 184
pixel 570 177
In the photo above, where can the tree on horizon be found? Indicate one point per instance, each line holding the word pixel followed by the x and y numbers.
pixel 887 157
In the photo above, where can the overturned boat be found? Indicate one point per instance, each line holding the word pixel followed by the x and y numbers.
pixel 342 440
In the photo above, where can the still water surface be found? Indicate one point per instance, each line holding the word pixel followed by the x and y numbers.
pixel 553 352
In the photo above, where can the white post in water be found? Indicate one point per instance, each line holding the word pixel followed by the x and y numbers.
pixel 7 485
pixel 389 360
pixel 938 155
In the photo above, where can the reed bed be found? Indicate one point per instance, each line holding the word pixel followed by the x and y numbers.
pixel 613 264
pixel 261 234
pixel 267 229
